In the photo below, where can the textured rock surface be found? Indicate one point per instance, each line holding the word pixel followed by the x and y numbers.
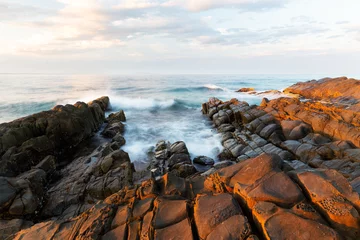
pixel 281 175
pixel 197 211
pixel 25 141
pixel 342 90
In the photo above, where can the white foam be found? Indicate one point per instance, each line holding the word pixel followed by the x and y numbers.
pixel 194 130
pixel 215 87
pixel 140 103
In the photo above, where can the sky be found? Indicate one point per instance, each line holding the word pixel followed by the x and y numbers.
pixel 174 36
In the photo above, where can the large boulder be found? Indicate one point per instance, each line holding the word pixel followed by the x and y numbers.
pixel 24 142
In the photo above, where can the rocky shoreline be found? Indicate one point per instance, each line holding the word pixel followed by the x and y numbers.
pixel 289 169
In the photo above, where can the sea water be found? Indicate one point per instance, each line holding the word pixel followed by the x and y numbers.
pixel 157 107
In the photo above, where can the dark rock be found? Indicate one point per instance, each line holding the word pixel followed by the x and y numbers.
pixel 179 158
pixel 48 164
pixel 203 160
pixel 116 117
pixel 8 193
pixel 178 148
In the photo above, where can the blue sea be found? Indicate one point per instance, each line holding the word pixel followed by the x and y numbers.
pixel 157 107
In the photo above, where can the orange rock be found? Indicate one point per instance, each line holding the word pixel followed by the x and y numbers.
pixel 169 212
pixel 277 223
pixel 179 231
pixel 211 210
pixel 234 228
pixel 334 198
pixel 119 233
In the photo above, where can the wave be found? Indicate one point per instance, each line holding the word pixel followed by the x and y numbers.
pixel 128 103
pixel 214 87
pixel 206 87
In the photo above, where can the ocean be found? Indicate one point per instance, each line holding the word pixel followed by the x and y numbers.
pixel 157 107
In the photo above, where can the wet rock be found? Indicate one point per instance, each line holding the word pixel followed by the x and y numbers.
pixel 117 117
pixel 226 128
pixel 223 164
pixel 119 139
pixel 178 148
pixel 113 129
pixel 203 160
pixel 246 90
pixel 184 170
pixel 177 158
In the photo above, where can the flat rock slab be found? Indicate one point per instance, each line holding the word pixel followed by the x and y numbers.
pixel 212 210
pixel 169 212
pixel 179 231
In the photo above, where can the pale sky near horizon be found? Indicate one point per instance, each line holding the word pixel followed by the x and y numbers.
pixel 174 36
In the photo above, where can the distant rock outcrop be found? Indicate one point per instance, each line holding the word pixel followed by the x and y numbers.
pixel 342 90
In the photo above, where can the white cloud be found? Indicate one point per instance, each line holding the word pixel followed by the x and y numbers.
pixel 144 30
pixel 136 4
pixel 202 5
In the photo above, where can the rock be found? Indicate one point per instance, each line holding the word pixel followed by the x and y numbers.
pixel 172 185
pixel 177 158
pixel 10 227
pixel 8 193
pixel 226 128
pixel 235 227
pixel 169 212
pixel 334 198
pixel 28 140
pixel 184 170
pixel 122 216
pixel 142 207
pixel 356 184
pixel 119 233
pixel 134 229
pixel 277 223
pixel 146 229
pixel 116 117
pixel 119 139
pixel 203 160
pixel 210 211
pixel 353 154
pixel 329 89
pixel 178 148
pixel 181 230
pixel 223 164
pixel 246 90
pixel 112 129
pixel 161 145
pixel 48 164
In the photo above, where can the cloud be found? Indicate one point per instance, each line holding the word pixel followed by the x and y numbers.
pixel 137 4
pixel 14 11
pixel 83 26
pixel 245 5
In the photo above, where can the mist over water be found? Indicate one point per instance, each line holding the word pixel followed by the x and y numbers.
pixel 157 107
